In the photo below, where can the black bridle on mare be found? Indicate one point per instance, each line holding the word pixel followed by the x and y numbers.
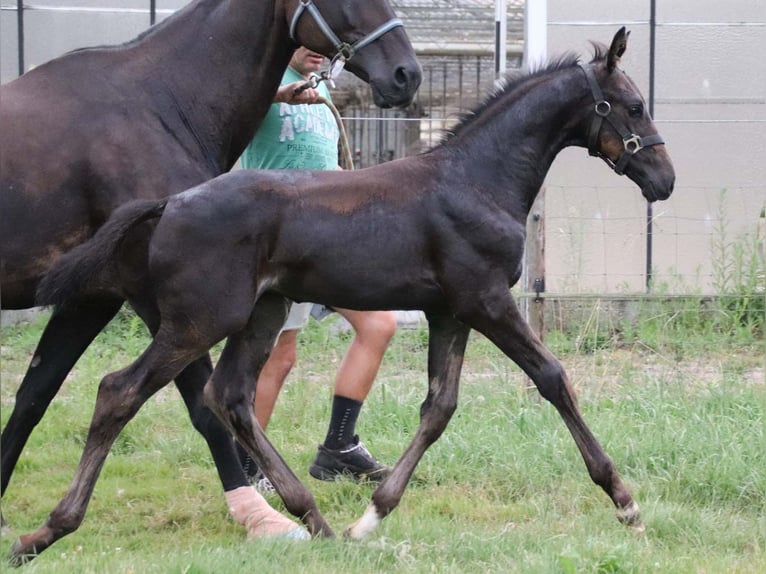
pixel 633 143
pixel 343 50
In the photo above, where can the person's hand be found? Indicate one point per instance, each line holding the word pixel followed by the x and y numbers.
pixel 287 94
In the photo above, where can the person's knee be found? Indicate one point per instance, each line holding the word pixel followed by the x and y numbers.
pixel 285 354
pixel 378 325
pixel 285 362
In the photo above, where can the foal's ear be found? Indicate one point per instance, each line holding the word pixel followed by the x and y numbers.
pixel 617 49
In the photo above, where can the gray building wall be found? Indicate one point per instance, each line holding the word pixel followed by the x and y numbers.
pixel 59 26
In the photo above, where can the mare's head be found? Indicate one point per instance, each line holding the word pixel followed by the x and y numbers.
pixel 619 128
pixel 367 36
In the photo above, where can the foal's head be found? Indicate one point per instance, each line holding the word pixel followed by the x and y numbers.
pixel 619 128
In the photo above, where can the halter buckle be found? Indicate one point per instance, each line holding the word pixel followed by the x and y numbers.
pixel 344 51
pixel 632 143
pixel 603 108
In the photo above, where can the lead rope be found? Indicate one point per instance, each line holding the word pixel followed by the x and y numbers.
pixel 344 151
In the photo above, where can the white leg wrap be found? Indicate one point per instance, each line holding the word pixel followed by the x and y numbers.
pixel 252 511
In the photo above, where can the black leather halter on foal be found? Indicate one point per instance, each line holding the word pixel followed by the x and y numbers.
pixel 633 143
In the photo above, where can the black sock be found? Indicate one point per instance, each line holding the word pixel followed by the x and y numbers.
pixel 342 423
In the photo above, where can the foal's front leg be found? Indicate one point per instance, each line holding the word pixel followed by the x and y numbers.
pixel 510 332
pixel 120 396
pixel 229 393
pixel 446 347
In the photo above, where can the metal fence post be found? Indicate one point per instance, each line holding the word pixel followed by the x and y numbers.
pixel 20 33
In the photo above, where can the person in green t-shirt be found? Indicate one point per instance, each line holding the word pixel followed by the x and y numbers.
pixel 296 136
pixel 298 133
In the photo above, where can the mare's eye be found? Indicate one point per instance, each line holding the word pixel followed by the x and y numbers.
pixel 636 111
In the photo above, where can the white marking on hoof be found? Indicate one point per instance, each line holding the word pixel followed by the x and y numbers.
pixel 365 525
pixel 630 516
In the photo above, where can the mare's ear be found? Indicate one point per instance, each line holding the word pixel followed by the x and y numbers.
pixel 617 49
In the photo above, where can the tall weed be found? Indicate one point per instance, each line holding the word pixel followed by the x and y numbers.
pixel 739 274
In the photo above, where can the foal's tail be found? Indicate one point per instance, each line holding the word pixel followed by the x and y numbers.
pixel 88 268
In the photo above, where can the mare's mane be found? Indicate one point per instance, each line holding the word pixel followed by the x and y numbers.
pixel 513 80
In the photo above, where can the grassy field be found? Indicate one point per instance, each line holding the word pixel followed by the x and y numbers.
pixel 679 409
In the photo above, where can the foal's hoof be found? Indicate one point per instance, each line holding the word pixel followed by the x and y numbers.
pixel 365 525
pixel 630 516
pixel 19 555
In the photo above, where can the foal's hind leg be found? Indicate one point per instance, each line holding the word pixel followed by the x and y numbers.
pixel 230 394
pixel 120 395
pixel 446 347
pixel 516 339
pixel 191 383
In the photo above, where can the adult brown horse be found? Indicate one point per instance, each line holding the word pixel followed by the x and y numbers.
pixel 442 232
pixel 90 130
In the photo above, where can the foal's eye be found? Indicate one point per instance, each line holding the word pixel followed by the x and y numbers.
pixel 636 111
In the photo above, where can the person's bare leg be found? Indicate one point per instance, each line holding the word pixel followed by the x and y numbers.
pixel 359 367
pixel 342 453
pixel 273 376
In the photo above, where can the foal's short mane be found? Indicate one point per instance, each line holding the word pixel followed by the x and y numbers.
pixel 512 80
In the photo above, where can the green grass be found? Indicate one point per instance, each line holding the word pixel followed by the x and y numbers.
pixel 504 490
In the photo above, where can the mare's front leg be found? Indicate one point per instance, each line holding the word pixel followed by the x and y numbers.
pixel 68 333
pixel 446 348
pixel 230 392
pixel 191 383
pixel 500 320
pixel 120 395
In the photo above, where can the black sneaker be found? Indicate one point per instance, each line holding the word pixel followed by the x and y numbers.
pixel 353 460
pixel 262 484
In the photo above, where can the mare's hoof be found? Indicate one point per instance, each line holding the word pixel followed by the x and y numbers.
pixel 299 533
pixel 630 516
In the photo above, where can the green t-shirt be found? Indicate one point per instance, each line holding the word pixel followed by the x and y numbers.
pixel 303 136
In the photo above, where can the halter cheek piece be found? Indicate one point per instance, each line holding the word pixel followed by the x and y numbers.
pixel 633 143
pixel 343 50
